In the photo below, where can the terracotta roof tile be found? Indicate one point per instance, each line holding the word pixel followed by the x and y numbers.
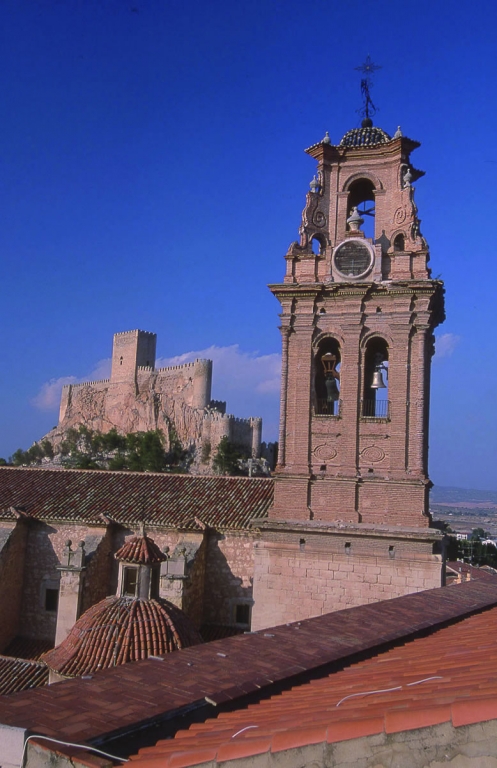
pixel 133 694
pixel 447 676
pixel 170 500
pixel 141 550
pixel 19 675
pixel 27 648
pixel 118 630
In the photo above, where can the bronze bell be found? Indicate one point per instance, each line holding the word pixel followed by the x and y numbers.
pixel 332 391
pixel 378 382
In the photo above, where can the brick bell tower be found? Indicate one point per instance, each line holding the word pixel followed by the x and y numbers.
pixel 350 521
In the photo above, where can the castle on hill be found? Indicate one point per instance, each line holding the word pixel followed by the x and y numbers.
pixel 139 397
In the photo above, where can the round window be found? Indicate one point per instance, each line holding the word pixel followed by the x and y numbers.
pixel 353 258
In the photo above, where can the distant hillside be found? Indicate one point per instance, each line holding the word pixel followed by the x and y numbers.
pixel 441 494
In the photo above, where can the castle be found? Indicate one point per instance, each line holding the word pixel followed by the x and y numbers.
pixel 138 397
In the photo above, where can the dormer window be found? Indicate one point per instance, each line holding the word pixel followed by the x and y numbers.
pixel 130 581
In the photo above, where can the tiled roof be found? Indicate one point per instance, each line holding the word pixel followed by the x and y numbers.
pixel 212 632
pixel 27 648
pixel 448 677
pixel 141 550
pixel 369 136
pixel 132 695
pixel 134 497
pixel 470 572
pixel 19 674
pixel 118 630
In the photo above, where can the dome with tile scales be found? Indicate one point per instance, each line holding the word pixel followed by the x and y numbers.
pixel 130 627
pixel 118 630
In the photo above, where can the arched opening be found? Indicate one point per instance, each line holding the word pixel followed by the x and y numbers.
pixel 327 378
pixel 375 402
pixel 361 196
pixel 399 244
pixel 318 244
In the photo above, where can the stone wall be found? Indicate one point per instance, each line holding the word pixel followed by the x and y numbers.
pixel 228 576
pixel 12 555
pixel 45 548
pixel 298 575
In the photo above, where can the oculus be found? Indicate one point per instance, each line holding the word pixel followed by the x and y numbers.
pixel 353 258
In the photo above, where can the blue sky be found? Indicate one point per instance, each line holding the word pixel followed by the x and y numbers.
pixel 153 175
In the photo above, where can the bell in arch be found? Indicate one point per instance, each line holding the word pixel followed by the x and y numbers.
pixel 332 391
pixel 329 362
pixel 378 382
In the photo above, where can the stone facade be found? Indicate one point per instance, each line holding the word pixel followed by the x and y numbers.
pixel 52 573
pixel 138 398
pixel 353 451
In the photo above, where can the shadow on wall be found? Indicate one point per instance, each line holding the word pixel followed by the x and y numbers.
pixel 228 595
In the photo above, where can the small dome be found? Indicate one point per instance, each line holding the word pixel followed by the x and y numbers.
pixel 140 550
pixel 367 136
pixel 118 630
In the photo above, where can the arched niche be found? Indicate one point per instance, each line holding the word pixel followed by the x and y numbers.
pixel 327 363
pixel 318 244
pixel 362 196
pixel 375 402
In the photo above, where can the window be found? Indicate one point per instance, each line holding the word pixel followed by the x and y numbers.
pixel 130 582
pixel 154 582
pixel 51 600
pixel 242 614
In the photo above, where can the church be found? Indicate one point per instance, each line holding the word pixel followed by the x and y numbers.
pixel 345 519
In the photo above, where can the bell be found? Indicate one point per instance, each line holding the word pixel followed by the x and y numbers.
pixel 332 391
pixel 378 382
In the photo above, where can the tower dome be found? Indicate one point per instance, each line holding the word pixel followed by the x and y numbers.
pixel 118 630
pixel 365 136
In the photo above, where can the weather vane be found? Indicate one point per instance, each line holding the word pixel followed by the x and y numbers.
pixel 368 69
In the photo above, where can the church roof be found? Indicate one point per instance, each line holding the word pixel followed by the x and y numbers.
pixel 446 678
pixel 118 630
pixel 369 136
pixel 125 697
pixel 140 550
pixel 21 674
pixel 130 498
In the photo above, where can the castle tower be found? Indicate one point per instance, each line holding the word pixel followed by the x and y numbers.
pixel 130 350
pixel 358 311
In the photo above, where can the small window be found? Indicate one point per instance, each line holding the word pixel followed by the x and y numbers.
pixel 154 582
pixel 51 600
pixel 242 614
pixel 130 582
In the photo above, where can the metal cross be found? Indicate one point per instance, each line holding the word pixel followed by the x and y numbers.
pixel 368 69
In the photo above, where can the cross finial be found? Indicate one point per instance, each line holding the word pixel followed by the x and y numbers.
pixel 367 69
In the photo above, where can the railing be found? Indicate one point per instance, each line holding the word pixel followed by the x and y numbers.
pixel 324 407
pixel 375 409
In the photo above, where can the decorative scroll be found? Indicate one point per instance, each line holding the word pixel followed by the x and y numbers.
pixel 372 454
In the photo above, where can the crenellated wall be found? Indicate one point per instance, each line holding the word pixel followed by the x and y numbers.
pixel 138 398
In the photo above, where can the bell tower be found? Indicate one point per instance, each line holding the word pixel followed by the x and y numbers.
pixel 359 307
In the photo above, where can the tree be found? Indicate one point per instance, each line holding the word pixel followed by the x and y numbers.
pixel 225 462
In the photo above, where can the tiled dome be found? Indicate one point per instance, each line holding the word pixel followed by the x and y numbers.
pixel 118 630
pixel 368 136
pixel 140 550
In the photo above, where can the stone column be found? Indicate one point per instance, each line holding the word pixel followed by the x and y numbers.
pixel 71 583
